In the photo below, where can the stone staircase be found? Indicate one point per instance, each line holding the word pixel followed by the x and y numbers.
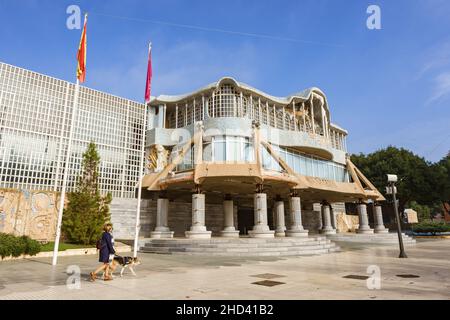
pixel 243 247
pixel 375 238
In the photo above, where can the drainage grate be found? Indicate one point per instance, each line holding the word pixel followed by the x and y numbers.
pixel 268 283
pixel 408 276
pixel 268 275
pixel 355 276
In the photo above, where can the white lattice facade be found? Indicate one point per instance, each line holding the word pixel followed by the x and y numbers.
pixel 35 120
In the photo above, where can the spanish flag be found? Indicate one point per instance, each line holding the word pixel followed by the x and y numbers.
pixel 148 84
pixel 81 56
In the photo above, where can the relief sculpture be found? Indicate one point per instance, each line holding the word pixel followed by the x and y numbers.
pixel 31 213
pixel 157 159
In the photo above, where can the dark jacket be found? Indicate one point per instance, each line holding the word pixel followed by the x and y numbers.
pixel 107 248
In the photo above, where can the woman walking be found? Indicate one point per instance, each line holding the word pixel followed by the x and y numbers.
pixel 106 249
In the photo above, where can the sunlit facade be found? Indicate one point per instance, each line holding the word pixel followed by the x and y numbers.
pixel 228 154
pixel 35 120
pixel 231 142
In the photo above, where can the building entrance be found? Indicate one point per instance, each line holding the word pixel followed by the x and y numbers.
pixel 245 220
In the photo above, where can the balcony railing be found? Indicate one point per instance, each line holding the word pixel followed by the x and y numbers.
pixel 226 102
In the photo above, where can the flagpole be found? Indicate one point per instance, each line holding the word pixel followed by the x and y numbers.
pixel 66 169
pixel 82 49
pixel 141 177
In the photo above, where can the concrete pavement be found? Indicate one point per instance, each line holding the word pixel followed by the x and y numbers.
pixel 332 276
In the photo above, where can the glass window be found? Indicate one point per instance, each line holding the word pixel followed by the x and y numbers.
pixel 219 149
pixel 230 148
pixel 234 146
pixel 207 151
pixel 249 152
pixel 290 159
pixel 309 167
pixel 268 161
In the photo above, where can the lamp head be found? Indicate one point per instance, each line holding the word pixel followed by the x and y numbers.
pixel 392 178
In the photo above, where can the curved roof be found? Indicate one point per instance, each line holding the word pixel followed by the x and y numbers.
pixel 303 95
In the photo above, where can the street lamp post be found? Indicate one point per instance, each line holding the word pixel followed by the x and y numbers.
pixel 392 179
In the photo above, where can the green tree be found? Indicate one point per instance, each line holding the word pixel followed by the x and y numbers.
pixel 419 180
pixel 87 210
pixel 423 212
pixel 444 167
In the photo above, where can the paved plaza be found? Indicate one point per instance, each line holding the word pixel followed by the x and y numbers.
pixel 342 275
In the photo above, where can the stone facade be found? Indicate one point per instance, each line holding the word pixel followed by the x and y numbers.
pixel 34 213
pixel 311 220
pixel 123 215
pixel 346 222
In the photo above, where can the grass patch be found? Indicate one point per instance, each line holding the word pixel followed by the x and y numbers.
pixel 64 246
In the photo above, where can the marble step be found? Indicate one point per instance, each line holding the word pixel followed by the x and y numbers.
pixel 236 248
pixel 303 252
pixel 244 246
pixel 235 245
pixel 232 249
pixel 240 240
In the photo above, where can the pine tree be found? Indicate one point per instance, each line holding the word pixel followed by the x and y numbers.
pixel 87 210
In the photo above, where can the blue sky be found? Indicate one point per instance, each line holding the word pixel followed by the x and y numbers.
pixel 386 87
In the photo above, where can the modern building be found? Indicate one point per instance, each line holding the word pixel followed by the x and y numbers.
pixel 35 115
pixel 229 160
pixel 35 120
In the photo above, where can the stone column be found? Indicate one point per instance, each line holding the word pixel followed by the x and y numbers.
pixel 378 218
pixel 279 213
pixel 198 228
pixel 229 230
pixel 313 208
pixel 327 228
pixel 296 227
pixel 162 230
pixel 260 229
pixel 333 218
pixel 363 219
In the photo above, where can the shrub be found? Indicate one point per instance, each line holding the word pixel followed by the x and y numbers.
pixel 11 245
pixel 32 247
pixel 431 226
pixel 17 246
pixel 423 212
pixel 5 250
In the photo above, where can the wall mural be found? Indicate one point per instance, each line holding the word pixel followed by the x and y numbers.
pixel 32 213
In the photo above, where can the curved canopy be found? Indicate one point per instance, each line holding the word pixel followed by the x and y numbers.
pixel 301 96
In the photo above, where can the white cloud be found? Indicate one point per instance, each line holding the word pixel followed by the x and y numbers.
pixel 436 57
pixel 177 69
pixel 441 87
pixel 190 65
pixel 437 70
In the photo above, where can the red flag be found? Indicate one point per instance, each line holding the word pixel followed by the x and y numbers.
pixel 148 84
pixel 81 55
